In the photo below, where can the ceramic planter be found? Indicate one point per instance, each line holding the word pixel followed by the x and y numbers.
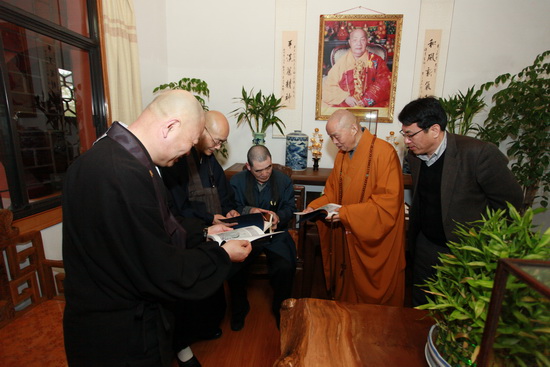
pixel 433 357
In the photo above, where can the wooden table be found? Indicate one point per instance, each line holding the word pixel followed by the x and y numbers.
pixel 319 333
pixel 308 176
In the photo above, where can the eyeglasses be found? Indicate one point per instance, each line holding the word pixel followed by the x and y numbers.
pixel 409 136
pixel 216 141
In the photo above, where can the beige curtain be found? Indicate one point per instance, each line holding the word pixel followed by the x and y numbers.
pixel 122 60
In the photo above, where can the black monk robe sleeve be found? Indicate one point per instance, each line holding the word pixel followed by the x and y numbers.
pixel 116 249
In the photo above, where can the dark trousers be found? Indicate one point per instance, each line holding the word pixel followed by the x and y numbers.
pixel 426 256
pixel 197 320
pixel 281 276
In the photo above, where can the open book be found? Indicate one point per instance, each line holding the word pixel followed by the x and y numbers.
pixel 325 211
pixel 250 233
pixel 260 220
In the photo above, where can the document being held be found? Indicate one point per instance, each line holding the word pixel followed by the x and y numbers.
pixel 250 233
pixel 325 211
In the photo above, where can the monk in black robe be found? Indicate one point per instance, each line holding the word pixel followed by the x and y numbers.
pixel 125 254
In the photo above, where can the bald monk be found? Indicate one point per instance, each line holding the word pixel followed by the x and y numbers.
pixel 359 78
pixel 127 259
pixel 197 182
pixel 200 190
pixel 363 254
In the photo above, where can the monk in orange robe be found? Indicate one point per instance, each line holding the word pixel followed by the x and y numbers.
pixel 363 245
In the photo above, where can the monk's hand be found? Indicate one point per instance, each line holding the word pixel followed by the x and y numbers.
pixel 309 209
pixel 218 219
pixel 219 228
pixel 256 210
pixel 237 250
pixel 335 217
pixel 232 214
pixel 351 101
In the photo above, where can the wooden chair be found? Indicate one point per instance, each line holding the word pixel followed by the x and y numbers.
pixel 31 300
pixel 27 278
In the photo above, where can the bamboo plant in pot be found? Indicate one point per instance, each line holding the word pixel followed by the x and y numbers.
pixel 460 293
pixel 461 108
pixel 259 112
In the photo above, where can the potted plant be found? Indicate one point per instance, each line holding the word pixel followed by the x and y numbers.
pixel 198 87
pixel 461 109
pixel 521 117
pixel 460 293
pixel 258 111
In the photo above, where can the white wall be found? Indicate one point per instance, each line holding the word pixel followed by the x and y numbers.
pixel 231 44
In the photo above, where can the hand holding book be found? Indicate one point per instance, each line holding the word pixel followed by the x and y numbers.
pixel 248 227
pixel 328 211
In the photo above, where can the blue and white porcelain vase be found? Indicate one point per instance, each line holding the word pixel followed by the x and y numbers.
pixel 258 138
pixel 296 150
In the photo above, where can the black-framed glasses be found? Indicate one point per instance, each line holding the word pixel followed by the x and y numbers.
pixel 216 141
pixel 409 136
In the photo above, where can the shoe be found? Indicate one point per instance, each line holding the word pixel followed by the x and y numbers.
pixel 193 362
pixel 237 321
pixel 215 334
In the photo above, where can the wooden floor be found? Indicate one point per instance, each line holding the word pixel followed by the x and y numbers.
pixel 257 344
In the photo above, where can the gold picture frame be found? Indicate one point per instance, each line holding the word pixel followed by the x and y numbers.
pixel 372 83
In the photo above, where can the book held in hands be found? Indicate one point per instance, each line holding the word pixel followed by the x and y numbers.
pixel 249 227
pixel 323 212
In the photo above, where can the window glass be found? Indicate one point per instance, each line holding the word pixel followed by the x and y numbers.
pixel 49 99
pixel 71 14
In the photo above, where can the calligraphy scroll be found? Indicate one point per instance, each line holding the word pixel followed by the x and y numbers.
pixel 288 71
pixel 432 43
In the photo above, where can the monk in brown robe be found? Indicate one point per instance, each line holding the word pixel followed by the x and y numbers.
pixel 363 244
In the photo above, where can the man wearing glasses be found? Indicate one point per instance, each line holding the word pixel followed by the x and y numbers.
pixel 197 182
pixel 200 191
pixel 455 178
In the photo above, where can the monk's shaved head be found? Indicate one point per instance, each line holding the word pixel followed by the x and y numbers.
pixel 176 103
pixel 344 130
pixel 257 153
pixel 169 126
pixel 217 124
pixel 342 119
pixel 215 133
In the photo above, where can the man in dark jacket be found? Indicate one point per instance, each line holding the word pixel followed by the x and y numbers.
pixel 125 255
pixel 260 189
pixel 200 190
pixel 455 178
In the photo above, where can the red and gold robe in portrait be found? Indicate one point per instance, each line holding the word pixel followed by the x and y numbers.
pixel 368 79
pixel 369 265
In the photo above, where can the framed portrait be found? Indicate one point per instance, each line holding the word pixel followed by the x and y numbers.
pixel 357 66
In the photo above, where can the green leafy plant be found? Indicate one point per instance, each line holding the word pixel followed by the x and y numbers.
pixel 198 87
pixel 521 113
pixel 258 111
pixel 460 292
pixel 461 110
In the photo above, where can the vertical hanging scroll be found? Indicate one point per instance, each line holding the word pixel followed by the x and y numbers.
pixel 432 43
pixel 290 16
pixel 288 68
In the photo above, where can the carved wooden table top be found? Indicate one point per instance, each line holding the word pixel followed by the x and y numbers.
pixel 316 332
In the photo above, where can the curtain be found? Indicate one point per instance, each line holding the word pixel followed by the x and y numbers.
pixel 122 60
